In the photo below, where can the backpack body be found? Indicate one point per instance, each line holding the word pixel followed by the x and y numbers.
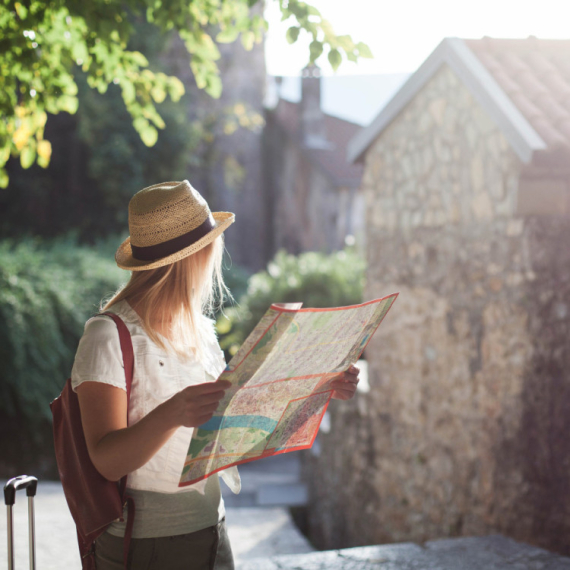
pixel 94 502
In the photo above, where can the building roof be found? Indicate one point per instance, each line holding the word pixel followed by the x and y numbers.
pixel 524 85
pixel 331 161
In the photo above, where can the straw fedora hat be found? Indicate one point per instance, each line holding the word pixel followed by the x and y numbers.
pixel 167 222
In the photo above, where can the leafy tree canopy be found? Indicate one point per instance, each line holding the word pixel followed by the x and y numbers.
pixel 41 41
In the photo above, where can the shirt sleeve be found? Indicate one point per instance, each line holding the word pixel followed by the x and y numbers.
pixel 99 357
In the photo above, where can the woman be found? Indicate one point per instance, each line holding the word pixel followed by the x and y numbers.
pixel 174 252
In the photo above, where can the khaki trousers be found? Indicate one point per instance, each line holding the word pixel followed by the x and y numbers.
pixel 206 549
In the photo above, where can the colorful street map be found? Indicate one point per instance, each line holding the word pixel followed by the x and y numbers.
pixel 280 384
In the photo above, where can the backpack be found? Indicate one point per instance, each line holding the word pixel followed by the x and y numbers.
pixel 94 502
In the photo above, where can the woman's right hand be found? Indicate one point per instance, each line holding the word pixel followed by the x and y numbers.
pixel 116 449
pixel 196 404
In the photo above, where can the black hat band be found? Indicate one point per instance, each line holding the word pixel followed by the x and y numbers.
pixel 174 245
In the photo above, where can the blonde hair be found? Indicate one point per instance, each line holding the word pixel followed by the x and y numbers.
pixel 176 298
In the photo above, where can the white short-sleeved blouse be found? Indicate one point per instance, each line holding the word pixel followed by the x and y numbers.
pixel 157 376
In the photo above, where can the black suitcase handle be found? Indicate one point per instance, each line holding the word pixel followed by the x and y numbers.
pixel 12 486
pixel 27 482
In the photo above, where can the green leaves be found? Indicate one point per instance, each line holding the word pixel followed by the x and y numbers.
pixel 22 11
pixel 227 36
pixel 46 294
pixel 42 43
pixel 346 43
pixel 308 19
pixel 28 154
pixel 147 132
pixel 248 40
pixel 316 49
pixel 204 54
pixel 175 88
pixel 335 59
pixel 149 135
pixel 364 50
pixel 292 34
pixel 44 153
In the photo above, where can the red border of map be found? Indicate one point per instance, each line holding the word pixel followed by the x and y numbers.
pixel 315 420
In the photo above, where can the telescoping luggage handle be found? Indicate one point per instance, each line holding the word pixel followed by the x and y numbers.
pixel 30 484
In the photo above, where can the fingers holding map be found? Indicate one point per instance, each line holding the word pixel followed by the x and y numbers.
pixel 280 384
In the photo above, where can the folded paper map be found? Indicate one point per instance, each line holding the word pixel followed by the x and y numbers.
pixel 280 384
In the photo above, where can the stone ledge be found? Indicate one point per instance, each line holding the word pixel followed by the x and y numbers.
pixel 471 553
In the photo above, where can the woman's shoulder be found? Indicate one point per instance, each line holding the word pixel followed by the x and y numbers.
pixel 98 357
pixel 99 330
pixel 102 328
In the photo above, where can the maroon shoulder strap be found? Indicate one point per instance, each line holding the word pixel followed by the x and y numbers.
pixel 129 364
pixel 126 349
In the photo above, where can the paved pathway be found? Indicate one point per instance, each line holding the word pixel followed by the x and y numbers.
pixel 273 481
pixel 55 532
pixel 264 538
pixel 254 530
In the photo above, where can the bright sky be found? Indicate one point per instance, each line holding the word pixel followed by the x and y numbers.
pixel 402 33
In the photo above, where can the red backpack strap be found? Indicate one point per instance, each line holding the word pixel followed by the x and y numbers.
pixel 126 349
pixel 129 364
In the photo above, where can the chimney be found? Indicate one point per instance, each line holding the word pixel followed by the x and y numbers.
pixel 312 118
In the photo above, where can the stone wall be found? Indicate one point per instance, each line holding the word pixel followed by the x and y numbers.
pixel 464 430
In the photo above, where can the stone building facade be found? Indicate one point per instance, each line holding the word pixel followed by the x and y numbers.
pixel 465 428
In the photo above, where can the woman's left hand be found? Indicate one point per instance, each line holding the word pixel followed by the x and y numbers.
pixel 345 385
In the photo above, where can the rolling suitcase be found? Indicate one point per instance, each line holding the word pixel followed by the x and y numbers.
pixel 30 484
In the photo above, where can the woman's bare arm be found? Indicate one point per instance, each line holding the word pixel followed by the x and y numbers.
pixel 116 449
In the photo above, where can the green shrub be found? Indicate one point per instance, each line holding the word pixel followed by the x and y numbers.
pixel 47 291
pixel 316 279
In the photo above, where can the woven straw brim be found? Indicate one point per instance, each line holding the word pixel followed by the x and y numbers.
pixel 125 260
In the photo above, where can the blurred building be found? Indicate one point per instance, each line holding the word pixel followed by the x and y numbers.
pixel 467 197
pixel 229 162
pixel 354 98
pixel 315 202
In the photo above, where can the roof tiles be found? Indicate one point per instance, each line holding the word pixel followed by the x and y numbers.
pixel 535 75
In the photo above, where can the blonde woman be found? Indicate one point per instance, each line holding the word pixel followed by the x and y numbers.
pixel 174 252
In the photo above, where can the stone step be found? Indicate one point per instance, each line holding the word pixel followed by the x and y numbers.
pixel 271 482
pixel 278 495
pixel 471 553
pixel 261 533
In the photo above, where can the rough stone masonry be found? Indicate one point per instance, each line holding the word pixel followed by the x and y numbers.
pixel 466 428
